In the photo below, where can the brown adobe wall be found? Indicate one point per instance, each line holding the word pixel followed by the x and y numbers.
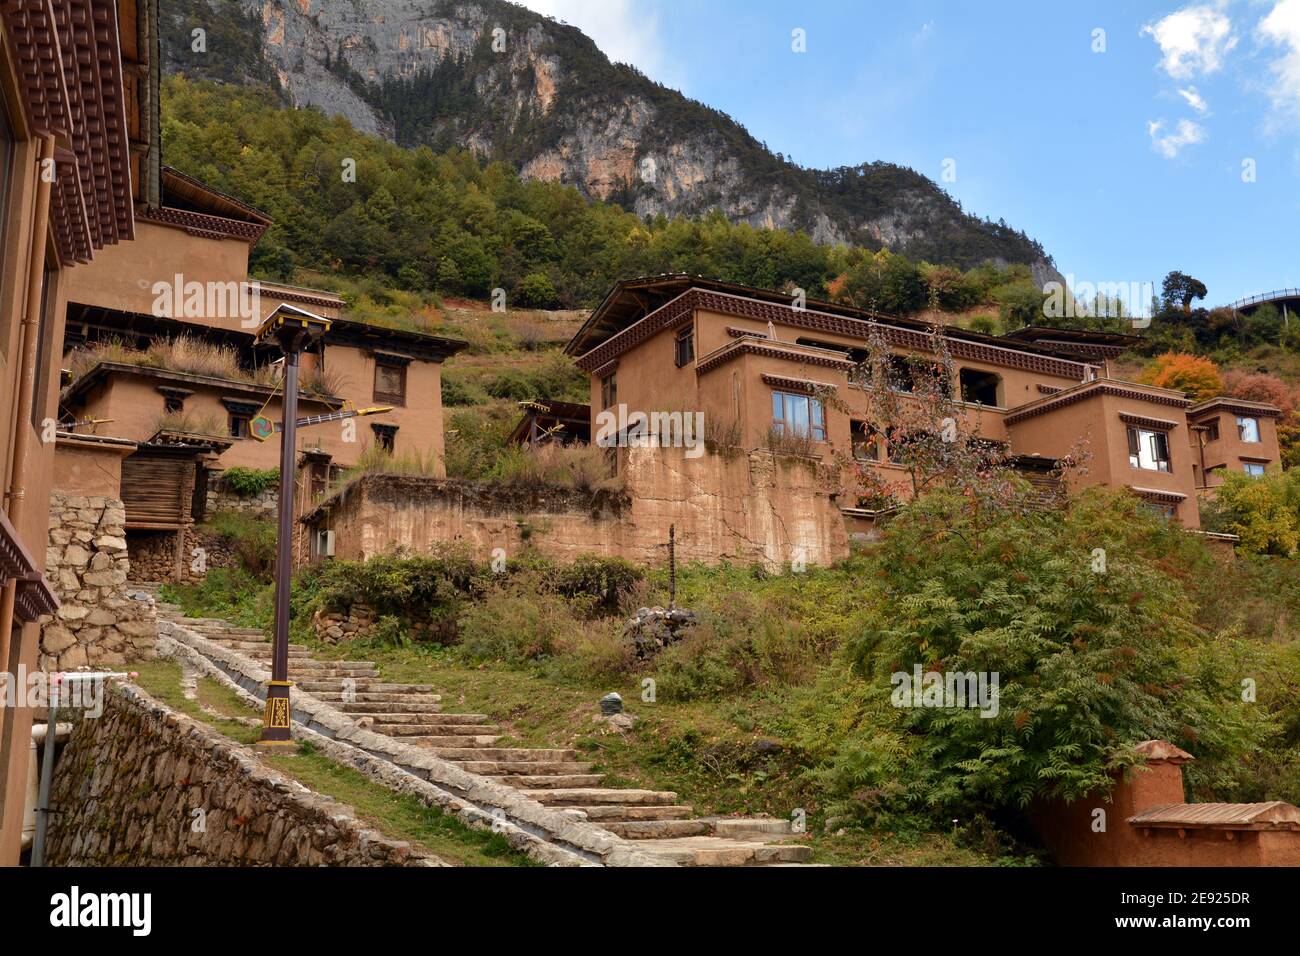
pixel 746 507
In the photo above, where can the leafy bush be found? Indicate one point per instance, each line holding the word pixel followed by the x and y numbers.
pixel 425 592
pixel 1263 511
pixel 515 625
pixel 253 539
pixel 606 582
pixel 1089 663
pixel 250 482
pixel 1197 376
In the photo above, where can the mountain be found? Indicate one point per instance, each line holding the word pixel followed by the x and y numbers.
pixel 550 103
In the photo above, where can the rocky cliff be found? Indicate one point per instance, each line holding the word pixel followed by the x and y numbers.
pixel 512 85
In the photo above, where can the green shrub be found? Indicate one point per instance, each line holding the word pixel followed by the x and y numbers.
pixel 606 582
pixel 250 482
pixel 253 539
pixel 515 625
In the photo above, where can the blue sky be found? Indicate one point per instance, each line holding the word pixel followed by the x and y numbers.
pixel 1125 163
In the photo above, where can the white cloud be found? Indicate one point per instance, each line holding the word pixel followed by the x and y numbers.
pixel 623 29
pixel 1169 144
pixel 1194 100
pixel 1282 28
pixel 1193 41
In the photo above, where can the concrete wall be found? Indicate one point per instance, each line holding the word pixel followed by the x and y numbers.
pixel 144 786
pixel 743 507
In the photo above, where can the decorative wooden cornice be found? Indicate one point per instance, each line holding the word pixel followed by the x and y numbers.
pixel 67 56
pixel 681 309
pixel 797 384
pixel 1048 389
pixel 609 368
pixel 1091 390
pixel 208 227
pixel 35 599
pixel 768 349
pixel 1236 407
pixel 1142 421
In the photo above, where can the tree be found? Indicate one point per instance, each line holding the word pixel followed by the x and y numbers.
pixel 1091 658
pixel 1181 289
pixel 1264 512
pixel 1199 377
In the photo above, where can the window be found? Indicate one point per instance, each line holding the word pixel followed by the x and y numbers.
pixel 1212 430
pixel 1254 469
pixel 980 387
pixel 1248 429
pixel 1148 449
pixel 608 390
pixel 173 404
pixel 390 382
pixel 238 425
pixel 385 436
pixel 866 441
pixel 799 415
pixel 685 346
pixel 44 344
pixel 907 373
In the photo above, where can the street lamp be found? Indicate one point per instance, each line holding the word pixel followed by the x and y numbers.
pixel 291 329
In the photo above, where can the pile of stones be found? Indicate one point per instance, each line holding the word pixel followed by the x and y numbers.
pixel 652 629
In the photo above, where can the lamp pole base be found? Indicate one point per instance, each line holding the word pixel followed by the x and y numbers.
pixel 276 717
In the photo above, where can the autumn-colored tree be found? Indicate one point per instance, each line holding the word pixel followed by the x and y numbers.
pixel 1197 376
pixel 1260 387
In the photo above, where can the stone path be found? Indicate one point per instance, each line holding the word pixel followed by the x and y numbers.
pixel 553 777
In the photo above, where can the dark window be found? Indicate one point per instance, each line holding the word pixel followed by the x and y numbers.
pixel 798 415
pixel 238 425
pixel 1148 449
pixel 390 383
pixel 385 436
pixel 1212 431
pixel 43 349
pixel 608 391
pixel 907 373
pixel 980 387
pixel 685 346
pixel 173 404
pixel 866 441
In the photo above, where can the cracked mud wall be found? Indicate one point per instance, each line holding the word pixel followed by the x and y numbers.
pixel 743 507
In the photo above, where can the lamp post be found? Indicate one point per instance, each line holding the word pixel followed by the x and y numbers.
pixel 291 329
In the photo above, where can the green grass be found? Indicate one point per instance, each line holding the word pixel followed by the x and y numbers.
pixel 397 816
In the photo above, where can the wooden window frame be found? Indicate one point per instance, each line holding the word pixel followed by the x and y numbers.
pixel 390 398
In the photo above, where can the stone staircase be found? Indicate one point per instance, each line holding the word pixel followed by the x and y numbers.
pixel 555 778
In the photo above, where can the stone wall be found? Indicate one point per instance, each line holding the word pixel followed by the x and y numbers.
pixel 221 498
pixel 145 786
pixel 744 507
pixel 98 623
pixel 153 555
pixel 336 627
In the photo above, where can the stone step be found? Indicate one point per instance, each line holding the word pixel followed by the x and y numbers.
pixel 399 701
pixel 626 813
pixel 718 851
pixel 550 782
pixel 751 828
pixel 398 712
pixel 250 649
pixel 499 768
pixel 322 671
pixel 590 796
pixel 656 829
pixel 364 685
pixel 427 727
pixel 459 742
pixel 513 754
